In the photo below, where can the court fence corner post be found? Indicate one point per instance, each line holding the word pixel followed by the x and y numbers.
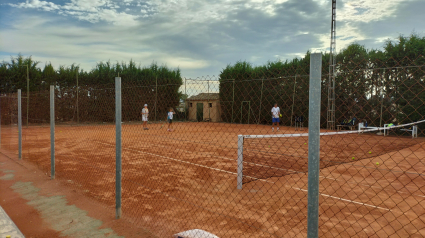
pixel 240 162
pixel 118 120
pixel 19 124
pixel 52 131
pixel 314 145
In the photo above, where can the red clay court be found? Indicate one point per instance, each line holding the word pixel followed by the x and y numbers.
pixel 167 176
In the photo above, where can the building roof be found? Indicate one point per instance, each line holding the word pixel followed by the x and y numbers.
pixel 204 97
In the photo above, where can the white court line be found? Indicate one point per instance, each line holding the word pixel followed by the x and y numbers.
pixel 221 157
pixel 371 186
pixel 183 161
pixel 343 199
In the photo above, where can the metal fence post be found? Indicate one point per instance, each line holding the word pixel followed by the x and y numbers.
pixel 314 145
pixel 19 124
pixel 261 100
pixel 156 95
pixel 293 100
pixel 208 100
pixel 118 146
pixel 233 98
pixel 78 110
pixel 52 131
pixel 240 161
pixel 0 121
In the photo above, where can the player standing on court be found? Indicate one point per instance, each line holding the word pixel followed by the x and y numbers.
pixel 275 116
pixel 145 115
pixel 170 119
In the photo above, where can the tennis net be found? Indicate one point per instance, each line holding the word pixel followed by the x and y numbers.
pixel 276 155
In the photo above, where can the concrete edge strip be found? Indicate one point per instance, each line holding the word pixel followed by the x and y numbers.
pixel 8 227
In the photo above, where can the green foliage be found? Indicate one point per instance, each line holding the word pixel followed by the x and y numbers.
pixel 366 80
pixel 140 85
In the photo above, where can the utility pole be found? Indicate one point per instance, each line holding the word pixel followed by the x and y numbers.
pixel 332 63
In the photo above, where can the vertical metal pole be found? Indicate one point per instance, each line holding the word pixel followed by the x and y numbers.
pixel 314 145
pixel 209 110
pixel 19 125
pixel 249 109
pixel 28 94
pixel 118 146
pixel 240 162
pixel 293 100
pixel 185 93
pixel 382 101
pixel 78 92
pixel 261 99
pixel 156 94
pixel 233 100
pixel 52 131
pixel 0 120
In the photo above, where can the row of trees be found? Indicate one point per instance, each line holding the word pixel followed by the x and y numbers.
pixel 96 93
pixel 391 79
pixel 366 81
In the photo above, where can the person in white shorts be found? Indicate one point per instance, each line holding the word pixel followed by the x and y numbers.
pixel 170 119
pixel 275 116
pixel 145 115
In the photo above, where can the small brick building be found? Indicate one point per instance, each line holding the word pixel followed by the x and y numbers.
pixel 204 107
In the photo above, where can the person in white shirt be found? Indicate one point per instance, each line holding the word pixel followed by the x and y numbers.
pixel 275 116
pixel 145 115
pixel 170 119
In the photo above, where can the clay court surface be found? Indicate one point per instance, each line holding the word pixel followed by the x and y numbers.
pixel 186 179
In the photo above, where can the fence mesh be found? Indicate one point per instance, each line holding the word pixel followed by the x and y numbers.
pixel 181 173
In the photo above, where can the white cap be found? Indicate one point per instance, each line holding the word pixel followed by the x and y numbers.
pixel 146 105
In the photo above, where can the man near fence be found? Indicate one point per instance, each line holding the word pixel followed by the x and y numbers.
pixel 145 115
pixel 275 116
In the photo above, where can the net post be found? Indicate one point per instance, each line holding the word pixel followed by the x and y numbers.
pixel 52 132
pixel 240 161
pixel 19 124
pixel 118 166
pixel 314 145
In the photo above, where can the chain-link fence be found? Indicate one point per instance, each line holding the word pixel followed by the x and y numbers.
pixel 180 168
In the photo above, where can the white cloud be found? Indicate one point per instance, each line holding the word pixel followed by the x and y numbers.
pixel 92 11
pixel 367 10
pixel 200 37
pixel 84 5
pixel 47 6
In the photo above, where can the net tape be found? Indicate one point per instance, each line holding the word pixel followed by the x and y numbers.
pixel 331 133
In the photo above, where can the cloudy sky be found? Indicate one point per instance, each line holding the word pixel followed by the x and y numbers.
pixel 200 36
